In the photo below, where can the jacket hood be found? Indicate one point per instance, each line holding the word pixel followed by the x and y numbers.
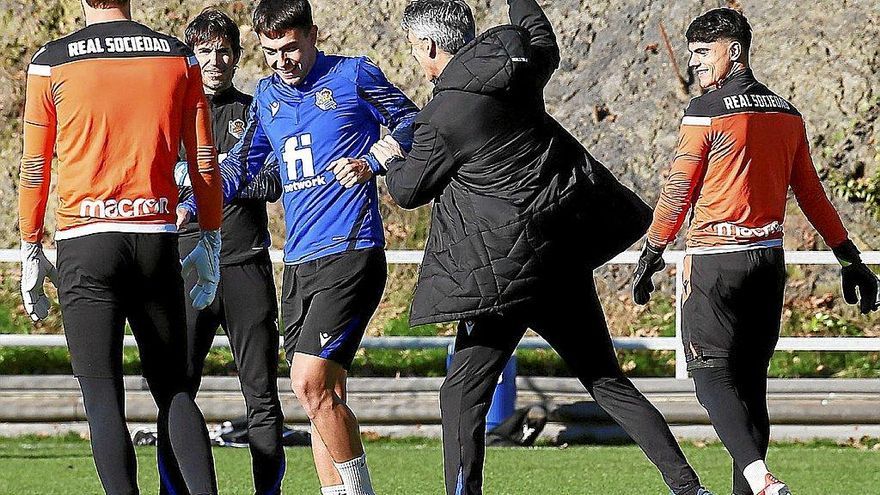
pixel 491 63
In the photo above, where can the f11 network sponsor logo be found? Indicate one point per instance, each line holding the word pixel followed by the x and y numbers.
pixel 123 208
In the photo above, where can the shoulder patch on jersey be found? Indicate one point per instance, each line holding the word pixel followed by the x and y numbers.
pixel 324 99
pixel 39 70
pixel 701 121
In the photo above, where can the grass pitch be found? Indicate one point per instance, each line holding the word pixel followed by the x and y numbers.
pixel 63 465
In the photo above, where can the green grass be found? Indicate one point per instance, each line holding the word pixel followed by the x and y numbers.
pixel 63 465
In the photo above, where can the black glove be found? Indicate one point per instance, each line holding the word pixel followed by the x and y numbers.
pixel 856 275
pixel 650 262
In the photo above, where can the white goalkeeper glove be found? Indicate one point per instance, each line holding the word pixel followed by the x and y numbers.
pixel 34 270
pixel 205 260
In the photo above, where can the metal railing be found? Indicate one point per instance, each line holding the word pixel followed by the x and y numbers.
pixel 863 344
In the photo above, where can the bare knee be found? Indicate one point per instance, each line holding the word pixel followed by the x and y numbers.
pixel 313 395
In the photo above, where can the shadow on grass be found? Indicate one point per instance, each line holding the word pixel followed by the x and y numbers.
pixel 35 455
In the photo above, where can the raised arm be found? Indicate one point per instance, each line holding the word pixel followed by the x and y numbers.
pixel 544 49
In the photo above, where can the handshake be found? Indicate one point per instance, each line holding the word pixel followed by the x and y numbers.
pixel 353 171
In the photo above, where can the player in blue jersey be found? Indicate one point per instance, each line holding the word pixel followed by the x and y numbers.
pixel 313 113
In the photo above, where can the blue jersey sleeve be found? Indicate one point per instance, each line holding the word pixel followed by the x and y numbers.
pixel 387 104
pixel 244 161
pixel 266 185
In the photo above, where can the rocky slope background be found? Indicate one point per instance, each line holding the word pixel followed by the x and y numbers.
pixel 621 89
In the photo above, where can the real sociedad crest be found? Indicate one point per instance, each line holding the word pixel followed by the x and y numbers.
pixel 324 99
pixel 236 128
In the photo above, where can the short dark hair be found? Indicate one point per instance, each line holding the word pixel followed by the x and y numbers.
pixel 273 18
pixel 720 24
pixel 106 4
pixel 210 25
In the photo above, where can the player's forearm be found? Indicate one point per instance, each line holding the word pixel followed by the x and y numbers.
pixel 34 178
pixel 822 214
pixel 266 185
pixel 32 211
pixel 402 132
pixel 813 200
pixel 672 207
pixel 203 171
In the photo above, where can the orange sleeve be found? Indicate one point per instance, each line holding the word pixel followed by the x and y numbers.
pixel 682 185
pixel 200 153
pixel 812 199
pixel 36 159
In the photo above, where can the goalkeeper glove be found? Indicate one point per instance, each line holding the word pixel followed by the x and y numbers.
pixel 34 270
pixel 650 262
pixel 205 260
pixel 860 285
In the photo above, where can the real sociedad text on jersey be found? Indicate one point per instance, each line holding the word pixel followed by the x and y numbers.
pixel 118 44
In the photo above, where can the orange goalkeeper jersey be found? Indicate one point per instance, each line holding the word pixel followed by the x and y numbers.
pixel 740 149
pixel 114 100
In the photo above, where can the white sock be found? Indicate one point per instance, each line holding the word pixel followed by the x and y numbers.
pixel 333 490
pixel 355 476
pixel 756 474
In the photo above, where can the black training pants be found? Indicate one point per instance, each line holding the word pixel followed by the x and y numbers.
pixel 104 280
pixel 246 309
pixel 572 321
pixel 732 311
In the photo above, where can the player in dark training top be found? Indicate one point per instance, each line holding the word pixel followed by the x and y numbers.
pixel 741 148
pixel 313 113
pixel 245 305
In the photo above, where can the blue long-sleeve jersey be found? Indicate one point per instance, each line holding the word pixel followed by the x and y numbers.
pixel 335 112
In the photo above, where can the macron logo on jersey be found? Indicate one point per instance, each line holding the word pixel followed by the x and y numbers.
pixel 732 230
pixel 123 208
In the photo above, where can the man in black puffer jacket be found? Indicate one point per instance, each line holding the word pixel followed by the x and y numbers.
pixel 522 215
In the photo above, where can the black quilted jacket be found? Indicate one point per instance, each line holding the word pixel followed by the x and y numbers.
pixel 518 203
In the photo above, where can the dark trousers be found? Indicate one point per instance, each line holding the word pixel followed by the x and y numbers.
pixel 572 322
pixel 246 309
pixel 104 280
pixel 732 312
